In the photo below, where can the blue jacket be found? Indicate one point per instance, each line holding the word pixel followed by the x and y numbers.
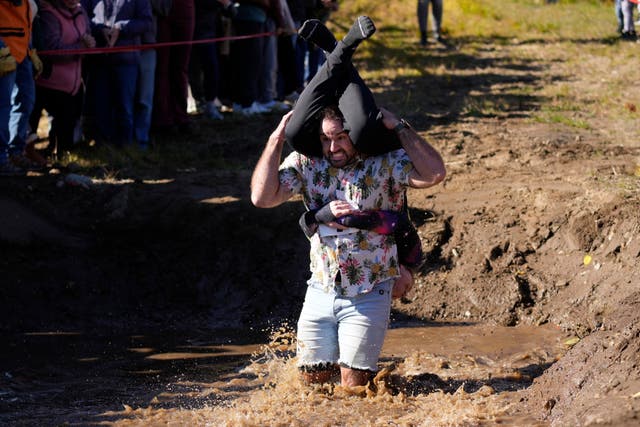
pixel 133 19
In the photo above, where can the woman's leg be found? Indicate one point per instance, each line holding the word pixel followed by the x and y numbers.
pixel 327 85
pixel 339 82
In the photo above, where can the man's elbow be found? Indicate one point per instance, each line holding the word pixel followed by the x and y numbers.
pixel 258 201
pixel 435 177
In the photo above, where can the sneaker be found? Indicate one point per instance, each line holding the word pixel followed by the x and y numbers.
pixel 245 111
pixel 629 36
pixel 251 110
pixel 9 169
pixel 273 105
pixel 210 111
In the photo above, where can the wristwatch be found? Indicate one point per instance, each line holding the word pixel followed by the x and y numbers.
pixel 402 124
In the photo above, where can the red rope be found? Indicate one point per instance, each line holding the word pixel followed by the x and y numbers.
pixel 97 50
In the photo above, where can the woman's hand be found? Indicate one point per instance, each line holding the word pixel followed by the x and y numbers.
pixel 335 209
pixel 403 284
pixel 341 208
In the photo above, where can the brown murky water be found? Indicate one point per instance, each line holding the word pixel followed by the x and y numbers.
pixel 433 375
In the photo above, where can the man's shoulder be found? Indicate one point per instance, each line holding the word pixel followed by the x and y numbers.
pixel 297 158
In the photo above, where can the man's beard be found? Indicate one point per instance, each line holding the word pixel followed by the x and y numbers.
pixel 345 160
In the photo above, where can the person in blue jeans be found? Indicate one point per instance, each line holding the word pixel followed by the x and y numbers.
pixel 23 98
pixel 114 76
pixel 143 109
pixel 628 24
pixel 617 10
pixel 17 88
pixel 17 98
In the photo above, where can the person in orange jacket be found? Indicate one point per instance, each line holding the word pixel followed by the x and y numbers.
pixel 17 88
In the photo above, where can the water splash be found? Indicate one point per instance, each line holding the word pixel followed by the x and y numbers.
pixel 417 388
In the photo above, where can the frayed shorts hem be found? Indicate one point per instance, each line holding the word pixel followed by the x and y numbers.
pixel 326 366
pixel 344 365
pixel 316 367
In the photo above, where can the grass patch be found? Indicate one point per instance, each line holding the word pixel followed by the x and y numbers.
pixel 559 118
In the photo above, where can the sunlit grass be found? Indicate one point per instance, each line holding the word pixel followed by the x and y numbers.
pixel 165 157
pixel 578 37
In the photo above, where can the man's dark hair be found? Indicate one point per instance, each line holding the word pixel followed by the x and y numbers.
pixel 332 112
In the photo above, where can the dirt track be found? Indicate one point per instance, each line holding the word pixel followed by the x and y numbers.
pixel 535 223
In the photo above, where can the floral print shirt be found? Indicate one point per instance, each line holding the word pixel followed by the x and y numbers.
pixel 363 258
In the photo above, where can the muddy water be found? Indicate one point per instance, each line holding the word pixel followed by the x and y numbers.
pixel 436 374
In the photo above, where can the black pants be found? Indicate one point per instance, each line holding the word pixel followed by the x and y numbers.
pixel 246 63
pixel 338 83
pixel 64 108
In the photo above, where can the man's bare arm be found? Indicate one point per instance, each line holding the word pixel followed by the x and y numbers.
pixel 266 191
pixel 428 165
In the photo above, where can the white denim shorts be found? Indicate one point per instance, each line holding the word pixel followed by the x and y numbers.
pixel 347 331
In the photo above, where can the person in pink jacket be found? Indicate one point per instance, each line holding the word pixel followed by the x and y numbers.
pixel 62 25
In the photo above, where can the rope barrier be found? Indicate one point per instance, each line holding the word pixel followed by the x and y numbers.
pixel 133 48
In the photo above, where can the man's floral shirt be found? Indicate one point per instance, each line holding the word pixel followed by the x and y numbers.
pixel 363 258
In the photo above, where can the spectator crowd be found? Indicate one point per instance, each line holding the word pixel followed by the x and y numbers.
pixel 116 71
